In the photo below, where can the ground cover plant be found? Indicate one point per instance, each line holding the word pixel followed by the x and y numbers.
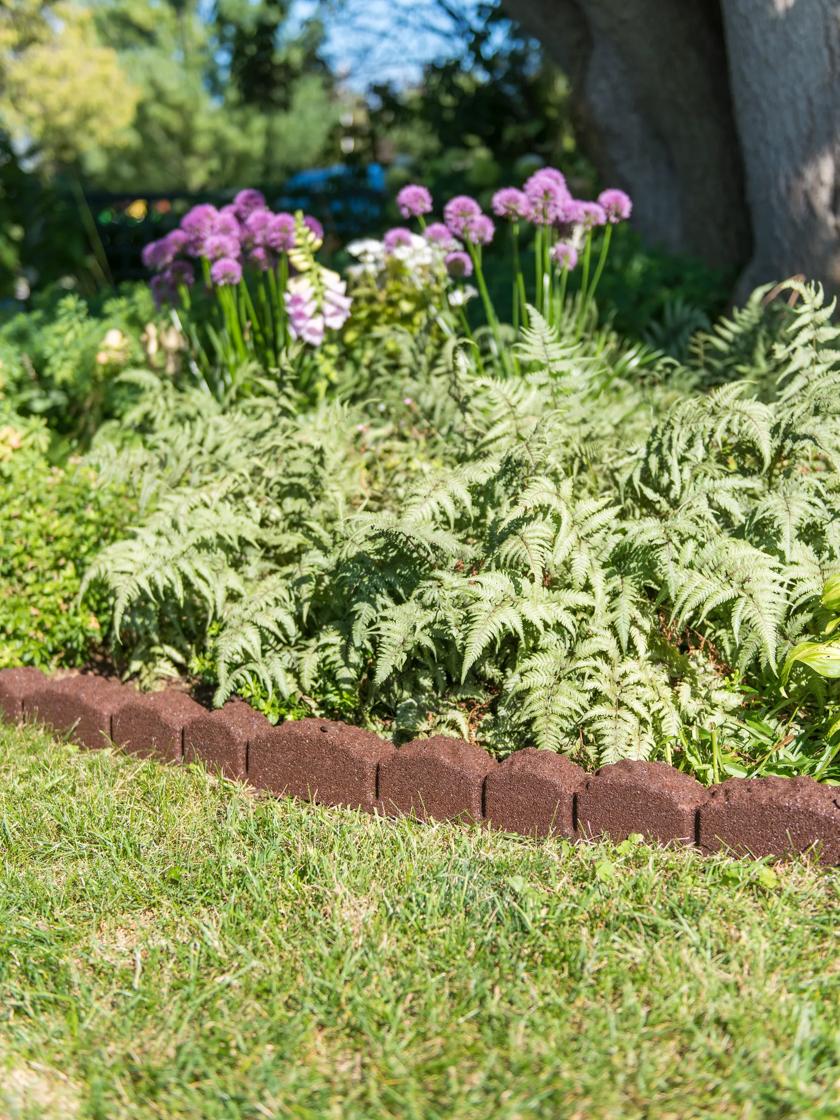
pixel 53 520
pixel 172 946
pixel 388 498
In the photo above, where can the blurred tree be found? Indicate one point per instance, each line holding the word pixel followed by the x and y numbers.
pixel 64 93
pixel 721 119
pixel 472 116
pixel 229 95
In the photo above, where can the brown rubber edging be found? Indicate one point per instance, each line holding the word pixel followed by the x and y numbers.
pixel 532 793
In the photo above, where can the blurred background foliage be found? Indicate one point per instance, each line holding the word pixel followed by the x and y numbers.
pixel 196 98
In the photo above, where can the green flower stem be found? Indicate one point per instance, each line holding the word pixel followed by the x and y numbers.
pixel 489 310
pixel 547 272
pixel 283 270
pixel 517 304
pixel 602 259
pixel 228 300
pixel 561 295
pixel 465 325
pixel 538 258
pixel 584 283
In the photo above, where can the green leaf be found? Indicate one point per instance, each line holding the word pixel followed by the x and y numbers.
pixel 767 877
pixel 831 593
pixel 605 871
pixel 822 657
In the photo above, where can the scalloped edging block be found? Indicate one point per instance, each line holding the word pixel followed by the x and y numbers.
pixel 319 760
pixel 435 779
pixel 81 706
pixel 650 798
pixel 15 684
pixel 532 792
pixel 535 793
pixel 771 816
pixel 221 739
pixel 151 725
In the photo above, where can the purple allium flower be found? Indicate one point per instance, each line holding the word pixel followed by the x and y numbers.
pixel 219 245
pixel 280 232
pixel 256 227
pixel 395 237
pixel 155 255
pixel 479 230
pixel 589 214
pixel 226 271
pixel 439 234
pixel 159 254
pixel 262 258
pixel 228 224
pixel 314 225
pixel 547 196
pixel 565 255
pixel 458 264
pixel 163 290
pixel 458 211
pixel 197 223
pixel 246 202
pixel 617 205
pixel 414 200
pixel 181 272
pixel 552 174
pixel 510 203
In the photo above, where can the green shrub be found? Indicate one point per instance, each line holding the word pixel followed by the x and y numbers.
pixel 62 361
pixel 52 521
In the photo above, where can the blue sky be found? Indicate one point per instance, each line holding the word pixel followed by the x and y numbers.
pixel 386 40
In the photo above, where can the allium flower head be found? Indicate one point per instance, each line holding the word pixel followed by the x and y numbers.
pixel 165 284
pixel 617 205
pixel 219 245
pixel 256 227
pixel 200 219
pixel 414 200
pixel 314 225
pixel 163 290
pixel 262 258
pixel 226 271
pixel 510 203
pixel 479 230
pixel 280 232
pixel 439 234
pixel 589 214
pixel 228 224
pixel 459 264
pixel 155 255
pixel 458 211
pixel 395 237
pixel 547 196
pixel 565 255
pixel 159 254
pixel 246 202
pixel 553 174
pixel 181 272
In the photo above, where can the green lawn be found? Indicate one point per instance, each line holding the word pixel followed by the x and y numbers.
pixel 171 946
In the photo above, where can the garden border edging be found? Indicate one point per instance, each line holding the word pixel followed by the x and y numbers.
pixel 532 792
